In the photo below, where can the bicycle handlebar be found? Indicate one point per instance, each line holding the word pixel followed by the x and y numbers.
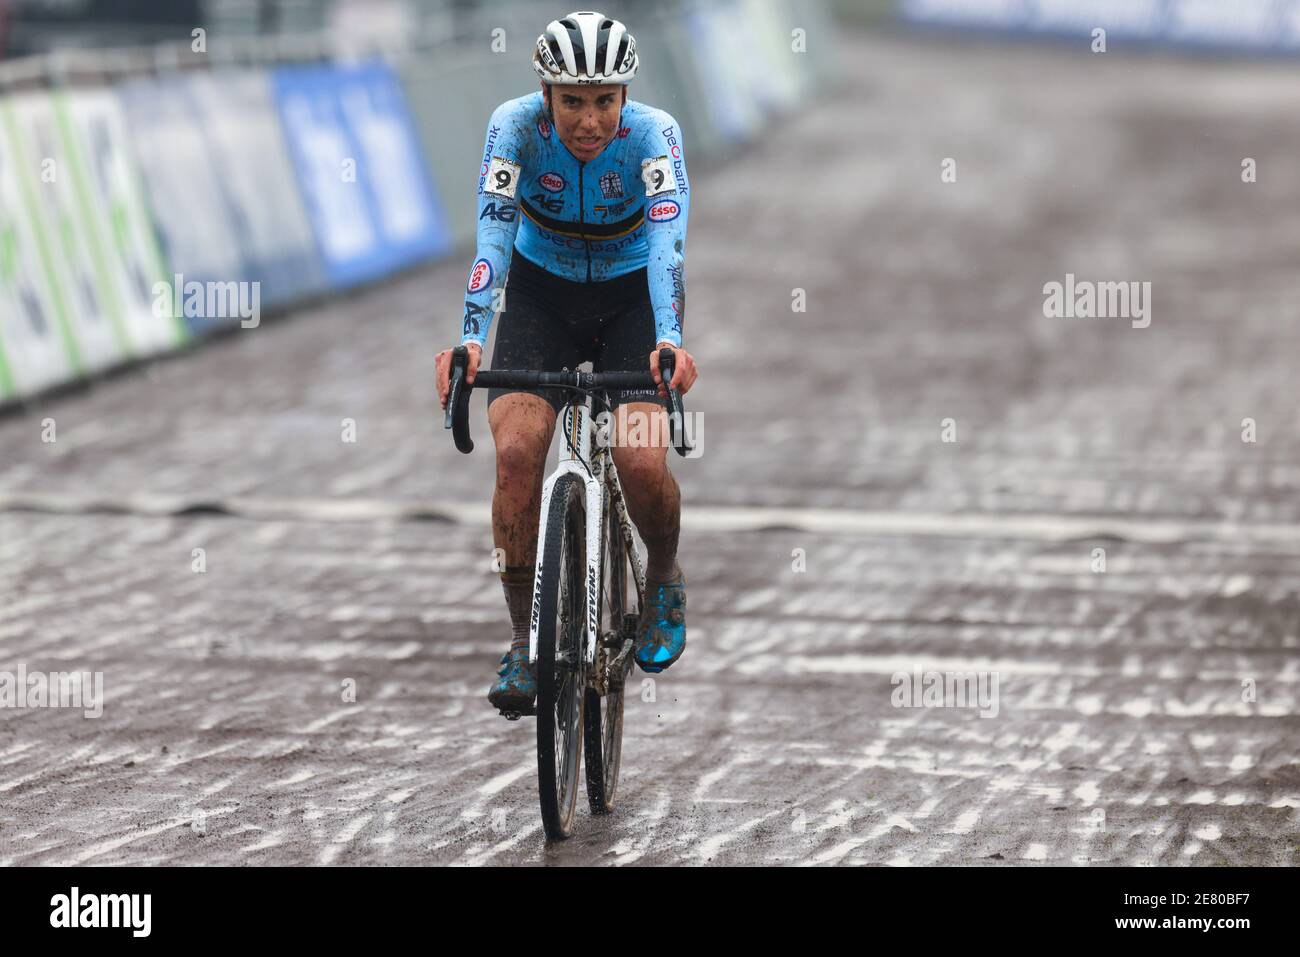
pixel 457 417
pixel 526 379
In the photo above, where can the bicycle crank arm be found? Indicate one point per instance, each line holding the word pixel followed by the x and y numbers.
pixel 618 666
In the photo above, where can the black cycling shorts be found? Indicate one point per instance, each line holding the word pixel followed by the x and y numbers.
pixel 552 323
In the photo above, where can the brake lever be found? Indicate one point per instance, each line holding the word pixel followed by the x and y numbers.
pixel 453 392
pixel 457 418
pixel 676 410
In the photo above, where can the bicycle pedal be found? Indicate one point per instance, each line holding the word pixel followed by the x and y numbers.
pixel 618 665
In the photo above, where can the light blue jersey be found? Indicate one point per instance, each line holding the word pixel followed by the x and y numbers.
pixel 586 222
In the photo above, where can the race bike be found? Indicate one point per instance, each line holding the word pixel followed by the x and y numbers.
pixel 589 585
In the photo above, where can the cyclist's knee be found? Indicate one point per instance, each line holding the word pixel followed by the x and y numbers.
pixel 522 426
pixel 640 468
pixel 521 456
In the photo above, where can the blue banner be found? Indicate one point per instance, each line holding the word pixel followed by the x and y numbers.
pixel 363 177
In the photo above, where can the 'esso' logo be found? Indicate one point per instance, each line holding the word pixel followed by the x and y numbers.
pixel 663 211
pixel 480 277
pixel 623 132
pixel 544 127
pixel 551 181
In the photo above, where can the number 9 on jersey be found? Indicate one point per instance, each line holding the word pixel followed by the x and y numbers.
pixel 658 176
pixel 502 178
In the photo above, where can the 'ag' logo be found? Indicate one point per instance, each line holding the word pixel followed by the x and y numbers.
pixel 555 205
pixel 505 213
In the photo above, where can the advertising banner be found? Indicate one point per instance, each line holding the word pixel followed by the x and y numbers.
pixel 36 347
pixel 79 268
pixel 241 126
pixel 108 185
pixel 186 198
pixel 366 187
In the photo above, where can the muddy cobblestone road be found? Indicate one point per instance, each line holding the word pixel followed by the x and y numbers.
pixel 1146 714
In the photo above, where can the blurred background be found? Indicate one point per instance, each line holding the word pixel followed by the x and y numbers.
pixel 295 147
pixel 908 461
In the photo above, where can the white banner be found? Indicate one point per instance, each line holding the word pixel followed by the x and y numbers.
pixel 101 148
pixel 76 258
pixel 33 335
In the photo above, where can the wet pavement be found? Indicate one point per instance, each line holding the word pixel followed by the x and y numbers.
pixel 314 694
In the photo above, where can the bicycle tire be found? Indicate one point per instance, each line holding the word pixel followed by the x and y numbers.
pixel 561 682
pixel 603 735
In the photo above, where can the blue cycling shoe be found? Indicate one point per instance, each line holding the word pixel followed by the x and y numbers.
pixel 661 632
pixel 514 693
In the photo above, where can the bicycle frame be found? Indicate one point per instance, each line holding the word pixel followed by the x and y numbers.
pixel 595 466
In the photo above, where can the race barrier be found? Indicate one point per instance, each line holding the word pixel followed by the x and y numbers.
pixel 140 215
pixel 239 117
pixel 359 164
pixel 95 131
pixel 1257 26
pixel 36 346
pixel 192 217
pixel 85 299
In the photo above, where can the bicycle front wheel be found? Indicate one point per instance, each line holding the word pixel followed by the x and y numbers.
pixel 604 706
pixel 561 666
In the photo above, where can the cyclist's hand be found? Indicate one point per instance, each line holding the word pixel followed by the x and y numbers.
pixel 443 365
pixel 684 371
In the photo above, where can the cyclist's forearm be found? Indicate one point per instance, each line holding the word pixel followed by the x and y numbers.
pixel 498 221
pixel 668 298
pixel 487 276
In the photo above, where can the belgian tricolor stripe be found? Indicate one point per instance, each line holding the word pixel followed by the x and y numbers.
pixel 584 230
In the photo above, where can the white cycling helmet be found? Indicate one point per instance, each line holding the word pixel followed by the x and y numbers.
pixel 585 47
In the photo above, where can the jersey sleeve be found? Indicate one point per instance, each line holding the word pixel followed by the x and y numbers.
pixel 498 221
pixel 667 197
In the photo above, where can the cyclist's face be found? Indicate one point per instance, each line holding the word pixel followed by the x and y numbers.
pixel 586 117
